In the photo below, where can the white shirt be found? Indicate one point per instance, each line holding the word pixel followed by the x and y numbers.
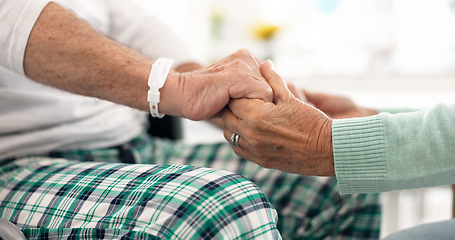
pixel 35 118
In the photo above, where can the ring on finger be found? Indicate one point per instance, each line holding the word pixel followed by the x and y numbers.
pixel 235 140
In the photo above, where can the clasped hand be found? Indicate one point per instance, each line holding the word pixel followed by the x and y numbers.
pixel 203 93
pixel 285 134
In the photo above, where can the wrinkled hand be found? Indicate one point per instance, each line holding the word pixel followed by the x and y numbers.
pixel 205 92
pixel 337 106
pixel 297 92
pixel 332 105
pixel 287 134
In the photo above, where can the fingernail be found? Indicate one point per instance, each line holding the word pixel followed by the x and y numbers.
pixel 271 64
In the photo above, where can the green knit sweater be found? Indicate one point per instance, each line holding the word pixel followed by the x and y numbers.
pixel 397 151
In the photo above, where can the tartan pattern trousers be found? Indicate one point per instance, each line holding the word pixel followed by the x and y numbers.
pixel 151 188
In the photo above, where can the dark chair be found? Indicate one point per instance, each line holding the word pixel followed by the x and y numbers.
pixel 169 127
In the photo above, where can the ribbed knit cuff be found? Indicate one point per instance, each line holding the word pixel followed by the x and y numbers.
pixel 358 148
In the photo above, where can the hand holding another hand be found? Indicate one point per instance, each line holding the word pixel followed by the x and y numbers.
pixel 203 93
pixel 285 134
pixel 333 105
pixel 337 106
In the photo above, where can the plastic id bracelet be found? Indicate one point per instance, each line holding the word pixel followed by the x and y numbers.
pixel 157 78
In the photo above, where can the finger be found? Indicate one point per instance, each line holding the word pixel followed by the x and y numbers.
pixel 313 97
pixel 229 135
pixel 231 127
pixel 243 107
pixel 252 85
pixel 248 55
pixel 245 77
pixel 230 122
pixel 242 150
pixel 258 62
pixel 298 93
pixel 219 113
pixel 279 87
pixel 256 89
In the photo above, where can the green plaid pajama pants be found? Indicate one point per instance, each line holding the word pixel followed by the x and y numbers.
pixel 152 188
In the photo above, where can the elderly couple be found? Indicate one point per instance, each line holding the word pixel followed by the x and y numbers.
pixel 75 162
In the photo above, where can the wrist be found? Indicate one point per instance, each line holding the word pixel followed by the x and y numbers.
pixel 171 95
pixel 188 67
pixel 328 166
pixel 157 78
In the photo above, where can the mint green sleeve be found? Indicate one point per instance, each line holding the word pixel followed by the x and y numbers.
pixel 389 152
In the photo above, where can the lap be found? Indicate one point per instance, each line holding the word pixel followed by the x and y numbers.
pixel 308 207
pixel 56 198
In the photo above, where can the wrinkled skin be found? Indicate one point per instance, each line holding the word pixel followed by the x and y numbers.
pixel 287 134
pixel 207 91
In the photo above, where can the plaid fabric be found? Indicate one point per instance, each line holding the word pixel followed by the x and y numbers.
pixel 59 199
pixel 308 207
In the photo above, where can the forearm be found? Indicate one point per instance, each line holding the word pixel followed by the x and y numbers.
pixel 399 151
pixel 65 52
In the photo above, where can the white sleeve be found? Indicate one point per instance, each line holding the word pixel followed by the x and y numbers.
pixel 134 27
pixel 17 18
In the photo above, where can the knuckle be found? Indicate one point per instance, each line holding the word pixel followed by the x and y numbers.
pixel 243 51
pixel 236 63
pixel 256 120
pixel 244 54
pixel 266 163
pixel 255 143
pixel 255 140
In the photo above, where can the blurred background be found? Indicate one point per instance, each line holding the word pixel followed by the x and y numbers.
pixel 381 53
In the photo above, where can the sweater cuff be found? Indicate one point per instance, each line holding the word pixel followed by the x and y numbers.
pixel 359 154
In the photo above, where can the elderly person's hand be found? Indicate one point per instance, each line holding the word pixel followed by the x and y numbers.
pixel 64 52
pixel 201 94
pixel 287 134
pixel 337 106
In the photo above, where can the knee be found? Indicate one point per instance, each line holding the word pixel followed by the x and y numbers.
pixel 211 204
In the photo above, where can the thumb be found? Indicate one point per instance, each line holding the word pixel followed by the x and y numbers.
pixel 279 87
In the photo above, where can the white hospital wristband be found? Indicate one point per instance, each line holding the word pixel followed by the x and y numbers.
pixel 157 78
